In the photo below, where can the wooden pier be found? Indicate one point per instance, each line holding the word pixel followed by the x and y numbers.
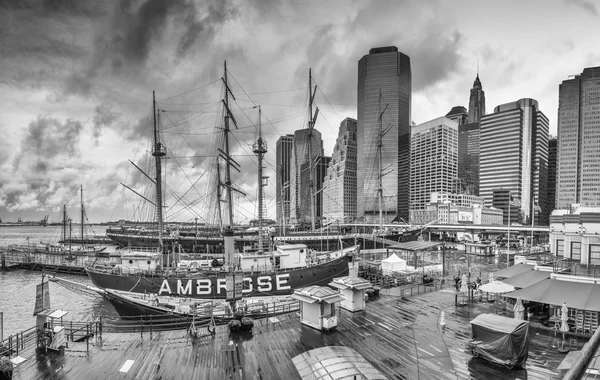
pixel 72 264
pixel 400 337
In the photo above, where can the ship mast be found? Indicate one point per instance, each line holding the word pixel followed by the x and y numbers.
pixel 82 214
pixel 229 163
pixel 158 152
pixel 311 125
pixel 260 148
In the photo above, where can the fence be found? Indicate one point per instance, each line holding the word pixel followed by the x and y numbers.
pixel 418 289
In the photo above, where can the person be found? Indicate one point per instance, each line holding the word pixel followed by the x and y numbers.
pixel 478 282
pixel 457 283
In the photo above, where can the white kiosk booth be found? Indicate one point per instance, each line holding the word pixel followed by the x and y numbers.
pixel 318 306
pixel 353 291
pixel 50 330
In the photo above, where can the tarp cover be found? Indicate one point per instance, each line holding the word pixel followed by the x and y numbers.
pixel 526 279
pixel 500 339
pixel 513 270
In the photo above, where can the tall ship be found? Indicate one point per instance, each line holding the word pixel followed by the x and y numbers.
pixel 258 272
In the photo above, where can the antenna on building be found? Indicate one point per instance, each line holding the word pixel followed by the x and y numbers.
pixel 477 67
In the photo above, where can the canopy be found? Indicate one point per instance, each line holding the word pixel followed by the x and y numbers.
pixel 393 264
pixel 526 279
pixel 496 287
pixel 513 271
pixel 500 339
pixel 416 245
pixel 577 295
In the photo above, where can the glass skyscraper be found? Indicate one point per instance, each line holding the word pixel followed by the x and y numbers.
pixel 514 156
pixel 578 173
pixel 383 131
pixel 283 156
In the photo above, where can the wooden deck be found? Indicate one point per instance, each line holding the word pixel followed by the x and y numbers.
pixel 399 337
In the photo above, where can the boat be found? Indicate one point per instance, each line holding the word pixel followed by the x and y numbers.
pixel 259 273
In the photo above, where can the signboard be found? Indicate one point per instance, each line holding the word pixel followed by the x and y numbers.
pixel 42 297
pixel 234 286
pixel 465 216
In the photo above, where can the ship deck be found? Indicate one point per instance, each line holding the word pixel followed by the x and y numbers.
pixel 400 337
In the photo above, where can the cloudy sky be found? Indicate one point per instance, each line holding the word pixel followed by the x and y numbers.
pixel 76 82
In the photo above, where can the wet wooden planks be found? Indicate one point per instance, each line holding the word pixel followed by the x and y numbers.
pixel 399 337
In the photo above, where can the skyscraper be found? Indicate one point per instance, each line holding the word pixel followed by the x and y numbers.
pixel 283 157
pixel 383 132
pixel 468 159
pixel 578 173
pixel 300 193
pixel 458 114
pixel 476 102
pixel 514 156
pixel 433 160
pixel 339 186
pixel 552 155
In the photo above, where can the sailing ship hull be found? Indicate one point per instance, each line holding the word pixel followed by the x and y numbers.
pixel 213 284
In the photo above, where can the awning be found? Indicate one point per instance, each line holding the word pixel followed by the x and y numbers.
pixel 526 279
pixel 416 245
pixel 513 271
pixel 577 295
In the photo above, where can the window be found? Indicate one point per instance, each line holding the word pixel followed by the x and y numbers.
pixel 576 251
pixel 560 248
pixel 594 254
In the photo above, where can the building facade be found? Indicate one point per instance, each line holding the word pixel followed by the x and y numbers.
pixel 514 157
pixel 578 173
pixel 447 213
pixel 339 185
pixel 552 165
pixel 576 235
pixel 468 158
pixel 300 190
pixel 464 200
pixel 383 131
pixel 320 170
pixel 433 160
pixel 283 158
pixel 476 102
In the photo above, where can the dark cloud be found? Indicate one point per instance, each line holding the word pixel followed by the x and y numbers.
pixel 105 115
pixel 586 5
pixel 48 138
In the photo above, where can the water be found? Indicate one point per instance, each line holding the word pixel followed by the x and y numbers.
pixel 17 287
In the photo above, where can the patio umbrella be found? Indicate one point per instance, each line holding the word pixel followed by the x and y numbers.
pixel 564 322
pixel 491 279
pixel 464 286
pixel 519 309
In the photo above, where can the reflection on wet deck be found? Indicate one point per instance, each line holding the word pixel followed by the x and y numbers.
pixel 401 338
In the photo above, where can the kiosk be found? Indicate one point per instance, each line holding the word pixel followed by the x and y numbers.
pixel 50 330
pixel 318 306
pixel 353 291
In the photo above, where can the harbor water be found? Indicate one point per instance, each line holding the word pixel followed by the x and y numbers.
pixel 18 286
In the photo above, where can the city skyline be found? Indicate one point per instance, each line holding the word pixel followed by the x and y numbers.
pixel 77 80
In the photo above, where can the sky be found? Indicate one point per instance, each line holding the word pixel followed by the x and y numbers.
pixel 77 76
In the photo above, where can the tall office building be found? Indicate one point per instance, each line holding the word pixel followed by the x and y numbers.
pixel 476 102
pixel 578 173
pixel 514 156
pixel 320 170
pixel 468 159
pixel 283 157
pixel 300 190
pixel 383 130
pixel 552 156
pixel 458 114
pixel 339 186
pixel 433 160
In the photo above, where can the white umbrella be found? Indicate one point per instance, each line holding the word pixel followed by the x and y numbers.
pixel 564 321
pixel 519 309
pixel 464 286
pixel 496 287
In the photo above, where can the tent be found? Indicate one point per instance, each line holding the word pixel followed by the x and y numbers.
pixel 513 270
pixel 578 295
pixel 526 279
pixel 392 264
